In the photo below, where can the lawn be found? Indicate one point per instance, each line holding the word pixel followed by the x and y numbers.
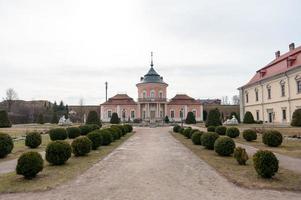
pixel 245 176
pixel 52 176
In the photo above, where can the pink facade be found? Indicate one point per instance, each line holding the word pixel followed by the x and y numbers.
pixel 152 104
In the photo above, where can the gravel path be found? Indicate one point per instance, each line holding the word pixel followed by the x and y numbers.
pixel 10 165
pixel 151 165
pixel 285 162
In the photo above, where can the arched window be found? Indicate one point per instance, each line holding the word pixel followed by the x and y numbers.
pixel 152 94
pixel 132 114
pixel 144 94
pixel 123 114
pixel 161 95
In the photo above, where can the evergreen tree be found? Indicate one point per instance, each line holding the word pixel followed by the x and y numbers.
pixel 61 106
pixel 55 118
pixel 248 118
pixel 166 119
pixel 296 120
pixel 93 118
pixel 205 115
pixel 40 119
pixel 55 107
pixel 4 121
pixel 214 118
pixel 115 119
pixel 190 118
pixel 67 111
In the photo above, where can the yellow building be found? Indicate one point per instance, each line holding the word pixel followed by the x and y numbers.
pixel 274 92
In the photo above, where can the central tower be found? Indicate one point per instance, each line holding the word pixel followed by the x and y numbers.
pixel 152 101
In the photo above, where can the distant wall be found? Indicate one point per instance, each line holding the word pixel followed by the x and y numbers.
pixel 225 109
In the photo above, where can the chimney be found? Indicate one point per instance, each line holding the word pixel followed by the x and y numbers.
pixel 291 46
pixel 277 54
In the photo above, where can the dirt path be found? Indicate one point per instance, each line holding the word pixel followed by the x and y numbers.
pixel 285 162
pixel 152 165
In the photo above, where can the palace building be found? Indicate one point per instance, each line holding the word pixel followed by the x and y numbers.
pixel 152 104
pixel 274 92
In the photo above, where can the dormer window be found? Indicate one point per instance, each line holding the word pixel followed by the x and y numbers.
pixel 262 72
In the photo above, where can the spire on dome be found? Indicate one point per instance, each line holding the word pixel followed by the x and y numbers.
pixel 152 64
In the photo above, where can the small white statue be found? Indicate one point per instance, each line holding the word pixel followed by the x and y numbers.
pixel 232 121
pixel 64 122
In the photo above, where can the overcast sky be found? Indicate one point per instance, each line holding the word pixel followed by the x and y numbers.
pixel 66 50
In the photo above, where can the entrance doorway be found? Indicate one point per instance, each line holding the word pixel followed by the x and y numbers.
pixel 152 114
pixel 270 117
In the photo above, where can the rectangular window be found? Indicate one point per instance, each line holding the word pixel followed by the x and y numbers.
pixel 194 113
pixel 247 98
pixel 269 93
pixel 109 114
pixel 282 90
pixel 257 115
pixel 143 114
pixel 181 114
pixel 172 114
pixel 284 114
pixel 161 113
pixel 256 95
pixel 132 114
pixel 299 86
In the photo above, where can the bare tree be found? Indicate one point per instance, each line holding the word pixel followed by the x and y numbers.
pixel 225 100
pixel 11 96
pixel 235 100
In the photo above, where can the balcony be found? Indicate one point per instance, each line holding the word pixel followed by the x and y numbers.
pixel 152 99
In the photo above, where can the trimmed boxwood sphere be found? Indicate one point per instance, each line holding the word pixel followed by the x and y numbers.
pixel 58 134
pixel 187 132
pixel 117 130
pixel 182 130
pixel 221 130
pixel 265 163
pixel 224 146
pixel 211 128
pixel 120 127
pixel 81 146
pixel 33 139
pixel 96 138
pixel 232 132
pixel 6 144
pixel 58 152
pixel 272 138
pixel 73 132
pixel 85 129
pixel 176 128
pixel 249 135
pixel 115 134
pixel 94 126
pixel 107 137
pixel 29 164
pixel 196 137
pixel 208 139
pixel 129 127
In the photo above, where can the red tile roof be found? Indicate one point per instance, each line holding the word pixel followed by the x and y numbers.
pixel 183 99
pixel 120 99
pixel 284 63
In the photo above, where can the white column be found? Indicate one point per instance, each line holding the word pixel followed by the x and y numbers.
pixel 201 113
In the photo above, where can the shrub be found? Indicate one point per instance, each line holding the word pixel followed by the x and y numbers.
pixel 96 138
pixel 196 137
pixel 126 129
pixel 81 146
pixel 211 129
pixel 40 119
pixel 94 127
pixel 208 139
pixel 4 121
pixel 93 118
pixel 54 119
pixel 176 128
pixel 107 137
pixel 190 118
pixel 58 134
pixel 118 130
pixel 114 119
pixel 114 133
pixel 214 118
pixel 33 139
pixel 187 132
pixel 221 130
pixel 232 132
pixel 224 146
pixel 240 155
pixel 248 118
pixel 192 132
pixel 265 163
pixel 166 119
pixel 73 132
pixel 85 129
pixel 296 118
pixel 58 152
pixel 6 144
pixel 249 135
pixel 29 164
pixel 272 138
pixel 182 130
pixel 129 127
